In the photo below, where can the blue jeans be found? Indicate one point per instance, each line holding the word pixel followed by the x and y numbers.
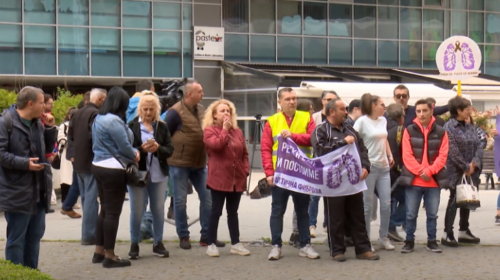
pixel 380 180
pixel 398 209
pixel 180 181
pixel 24 232
pixel 313 211
pixel 90 207
pixel 498 202
pixel 278 208
pixel 431 201
pixel 73 193
pixel 155 193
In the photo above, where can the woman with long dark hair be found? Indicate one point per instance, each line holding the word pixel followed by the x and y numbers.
pixel 112 146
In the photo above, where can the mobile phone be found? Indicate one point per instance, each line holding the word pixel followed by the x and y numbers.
pixel 44 164
pixel 151 141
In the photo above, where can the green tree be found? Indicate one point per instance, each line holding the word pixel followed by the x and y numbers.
pixel 7 98
pixel 63 102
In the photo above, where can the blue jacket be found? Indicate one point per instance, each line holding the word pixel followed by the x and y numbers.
pixel 109 132
pixel 20 188
pixel 132 108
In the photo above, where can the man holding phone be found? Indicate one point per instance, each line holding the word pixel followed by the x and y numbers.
pixel 26 191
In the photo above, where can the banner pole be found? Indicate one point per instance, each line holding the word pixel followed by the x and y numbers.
pixel 459 88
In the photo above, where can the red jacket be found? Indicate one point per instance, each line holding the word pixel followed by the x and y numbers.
pixel 266 143
pixel 228 165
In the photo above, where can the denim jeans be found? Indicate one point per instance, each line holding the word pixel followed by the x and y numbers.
pixel 88 193
pixel 498 202
pixel 278 208
pixel 398 209
pixel 414 196
pixel 313 211
pixel 380 180
pixel 24 232
pixel 73 193
pixel 155 193
pixel 180 181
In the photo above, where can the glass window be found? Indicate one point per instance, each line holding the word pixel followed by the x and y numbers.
pixel 447 23
pixel 263 49
pixel 315 51
pixel 105 51
pixel 167 16
pixel 105 13
pixel 187 17
pixel 364 22
pixel 388 22
pixel 40 50
pixel 236 47
pixel 411 3
pixel 492 6
pixel 136 14
pixel 315 18
pixel 492 30
pixel 476 27
pixel 289 17
pixel 491 60
pixel 411 54
pixel 136 53
pixel 366 1
pixel 39 11
pixel 459 4
pixel 73 51
pixel 433 25
pixel 411 24
pixel 340 22
pixel 11 46
pixel 458 23
pixel 262 17
pixel 365 52
pixel 388 53
pixel 187 54
pixel 340 52
pixel 235 15
pixel 289 49
pixel 11 11
pixel 73 12
pixel 167 54
pixel 429 54
pixel 476 5
pixel 388 2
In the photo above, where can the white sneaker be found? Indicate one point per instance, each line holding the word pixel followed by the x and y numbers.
pixel 212 251
pixel 53 202
pixel 308 251
pixel 275 254
pixel 238 249
pixel 312 230
pixel 384 243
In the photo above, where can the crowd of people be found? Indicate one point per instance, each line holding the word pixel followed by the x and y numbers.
pixel 407 154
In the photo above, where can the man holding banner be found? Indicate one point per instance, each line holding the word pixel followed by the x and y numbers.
pixel 346 166
pixel 296 126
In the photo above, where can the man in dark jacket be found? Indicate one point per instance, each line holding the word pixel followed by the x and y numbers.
pixel 343 210
pixel 25 181
pixel 80 133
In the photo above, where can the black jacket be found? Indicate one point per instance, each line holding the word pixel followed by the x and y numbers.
pixel 20 188
pixel 392 136
pixel 327 138
pixel 162 137
pixel 80 133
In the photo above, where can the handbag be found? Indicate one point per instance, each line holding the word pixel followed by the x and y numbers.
pixel 467 195
pixel 262 190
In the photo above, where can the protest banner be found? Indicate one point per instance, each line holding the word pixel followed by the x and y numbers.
pixel 335 174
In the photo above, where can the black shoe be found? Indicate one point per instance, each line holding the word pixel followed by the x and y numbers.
pixel 133 254
pixel 433 247
pixel 51 210
pixel 89 242
pixel 408 247
pixel 204 243
pixel 348 241
pixel 467 237
pixel 497 220
pixel 293 238
pixel 394 236
pixel 185 243
pixel 449 240
pixel 160 250
pixel 118 262
pixel 97 258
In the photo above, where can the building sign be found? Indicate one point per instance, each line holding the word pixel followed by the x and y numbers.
pixel 459 58
pixel 208 43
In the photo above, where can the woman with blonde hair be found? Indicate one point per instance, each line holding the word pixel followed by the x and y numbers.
pixel 228 168
pixel 152 139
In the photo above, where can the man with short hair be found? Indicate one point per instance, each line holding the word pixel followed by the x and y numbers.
pixel 353 112
pixel 25 184
pixel 343 211
pixel 425 151
pixel 189 161
pixel 80 133
pixel 297 125
pixel 141 86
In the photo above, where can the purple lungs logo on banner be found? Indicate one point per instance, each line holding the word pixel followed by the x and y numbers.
pixel 459 58
pixel 334 174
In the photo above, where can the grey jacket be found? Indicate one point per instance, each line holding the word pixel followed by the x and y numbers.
pixel 20 188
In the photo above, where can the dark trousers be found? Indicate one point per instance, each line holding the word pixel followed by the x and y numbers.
pixel 346 212
pixel 232 200
pixel 112 186
pixel 73 194
pixel 451 213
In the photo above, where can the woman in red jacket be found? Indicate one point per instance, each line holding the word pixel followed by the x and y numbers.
pixel 228 169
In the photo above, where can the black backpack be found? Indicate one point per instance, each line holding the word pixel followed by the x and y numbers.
pixel 8 121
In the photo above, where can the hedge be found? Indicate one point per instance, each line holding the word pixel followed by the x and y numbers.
pixel 9 271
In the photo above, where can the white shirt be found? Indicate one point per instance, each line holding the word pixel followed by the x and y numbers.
pixel 374 135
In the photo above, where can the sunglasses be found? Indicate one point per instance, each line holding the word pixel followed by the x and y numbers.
pixel 399 96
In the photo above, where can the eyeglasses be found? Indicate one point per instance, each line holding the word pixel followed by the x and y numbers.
pixel 399 96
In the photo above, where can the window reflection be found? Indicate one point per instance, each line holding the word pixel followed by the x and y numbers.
pixel 105 13
pixel 235 15
pixel 263 49
pixel 236 47
pixel 262 16
pixel 73 51
pixel 315 51
pixel 340 52
pixel 458 23
pixel 166 16
pixel 388 22
pixel 289 49
pixel 105 52
pixel 364 22
pixel 340 22
pixel 476 27
pixel 11 46
pixel 433 25
pixel 40 50
pixel 11 11
pixel 39 11
pixel 411 24
pixel 73 12
pixel 136 14
pixel 315 18
pixel 388 53
pixel 365 52
pixel 137 53
pixel 167 54
pixel 411 54
pixel 429 54
pixel 289 17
